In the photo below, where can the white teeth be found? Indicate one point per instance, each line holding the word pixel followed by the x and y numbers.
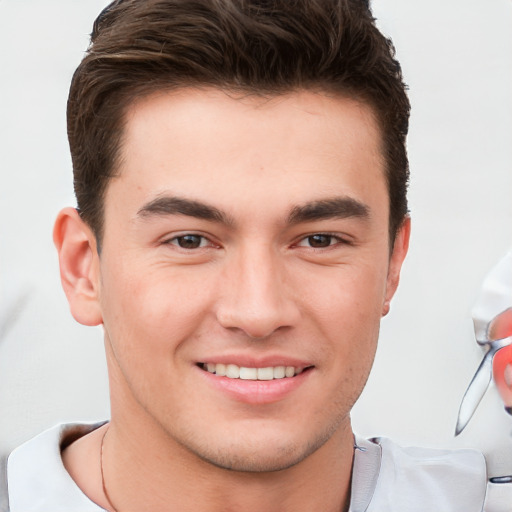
pixel 289 372
pixel 219 369
pixel 279 372
pixel 233 371
pixel 265 373
pixel 248 373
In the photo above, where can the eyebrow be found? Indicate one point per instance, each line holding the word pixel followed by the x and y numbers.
pixel 170 205
pixel 332 208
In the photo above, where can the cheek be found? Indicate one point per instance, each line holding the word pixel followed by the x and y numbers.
pixel 349 294
pixel 153 311
pixel 347 312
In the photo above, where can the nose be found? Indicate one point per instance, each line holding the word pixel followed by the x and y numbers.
pixel 256 296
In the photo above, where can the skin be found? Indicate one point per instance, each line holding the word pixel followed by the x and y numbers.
pixel 259 288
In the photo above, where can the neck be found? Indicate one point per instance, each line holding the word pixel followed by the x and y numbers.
pixel 144 469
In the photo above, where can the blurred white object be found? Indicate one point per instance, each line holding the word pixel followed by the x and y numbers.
pixel 495 298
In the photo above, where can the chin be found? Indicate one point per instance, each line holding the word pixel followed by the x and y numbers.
pixel 261 455
pixel 250 461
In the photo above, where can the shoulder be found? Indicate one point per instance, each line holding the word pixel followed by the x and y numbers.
pixel 459 465
pixel 420 479
pixel 37 479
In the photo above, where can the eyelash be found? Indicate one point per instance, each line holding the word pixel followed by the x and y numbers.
pixel 333 240
pixel 205 242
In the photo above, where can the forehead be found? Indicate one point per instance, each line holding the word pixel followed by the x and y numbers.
pixel 192 112
pixel 235 147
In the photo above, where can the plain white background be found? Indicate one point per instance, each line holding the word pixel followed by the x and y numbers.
pixel 456 59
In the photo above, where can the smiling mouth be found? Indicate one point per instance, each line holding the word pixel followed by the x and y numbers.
pixel 233 371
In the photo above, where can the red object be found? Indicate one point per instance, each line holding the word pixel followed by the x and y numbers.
pixel 501 327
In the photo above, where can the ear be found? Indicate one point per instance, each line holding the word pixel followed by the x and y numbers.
pixel 398 254
pixel 79 266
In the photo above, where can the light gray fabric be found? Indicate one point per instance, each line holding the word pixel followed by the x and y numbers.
pixel 385 478
pixel 417 479
pixel 37 479
pixel 498 498
pixel 365 473
pixel 4 505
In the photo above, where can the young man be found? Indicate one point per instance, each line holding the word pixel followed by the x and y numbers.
pixel 240 172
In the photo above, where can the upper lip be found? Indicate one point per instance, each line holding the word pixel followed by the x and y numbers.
pixel 248 361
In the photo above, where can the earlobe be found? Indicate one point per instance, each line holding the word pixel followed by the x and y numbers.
pixel 79 266
pixel 398 254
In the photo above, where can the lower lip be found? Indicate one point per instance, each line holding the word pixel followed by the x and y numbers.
pixel 256 391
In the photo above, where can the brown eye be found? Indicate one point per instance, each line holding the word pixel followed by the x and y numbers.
pixel 189 241
pixel 319 241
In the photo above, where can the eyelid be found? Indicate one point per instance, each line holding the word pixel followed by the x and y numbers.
pixel 339 240
pixel 204 242
pixel 168 240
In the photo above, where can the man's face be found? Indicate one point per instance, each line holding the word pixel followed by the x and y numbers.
pixel 249 236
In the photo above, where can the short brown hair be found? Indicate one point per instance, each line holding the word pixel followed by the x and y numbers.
pixel 264 47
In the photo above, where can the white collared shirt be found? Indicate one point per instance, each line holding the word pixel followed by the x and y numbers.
pixel 385 478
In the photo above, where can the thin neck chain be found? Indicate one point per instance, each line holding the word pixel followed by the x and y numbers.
pixel 105 492
pixel 109 501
